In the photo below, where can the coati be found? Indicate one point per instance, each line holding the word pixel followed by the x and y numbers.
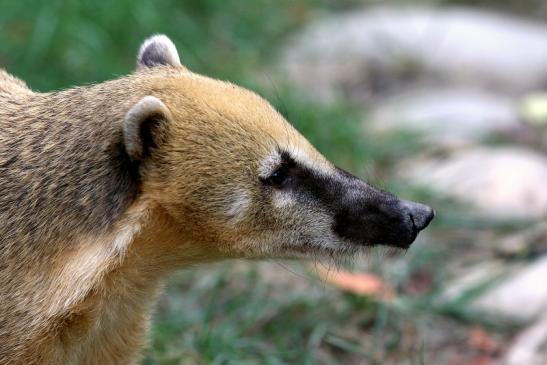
pixel 108 188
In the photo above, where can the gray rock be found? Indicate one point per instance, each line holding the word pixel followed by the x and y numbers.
pixel 472 278
pixel 378 50
pixel 449 116
pixel 523 296
pixel 534 110
pixel 504 182
pixel 529 346
pixel 531 240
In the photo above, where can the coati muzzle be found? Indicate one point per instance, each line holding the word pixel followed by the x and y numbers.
pixel 362 214
pixel 368 216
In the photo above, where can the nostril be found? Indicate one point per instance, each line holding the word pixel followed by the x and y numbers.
pixel 420 214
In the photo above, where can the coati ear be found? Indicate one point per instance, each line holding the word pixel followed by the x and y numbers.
pixel 140 126
pixel 157 50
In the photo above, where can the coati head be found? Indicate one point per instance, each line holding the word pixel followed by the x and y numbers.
pixel 223 164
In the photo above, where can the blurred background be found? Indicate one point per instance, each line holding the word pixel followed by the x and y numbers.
pixel 439 101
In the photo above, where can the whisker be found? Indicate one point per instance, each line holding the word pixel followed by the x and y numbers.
pixel 300 275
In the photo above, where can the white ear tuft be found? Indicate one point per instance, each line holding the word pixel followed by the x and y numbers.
pixel 157 50
pixel 138 125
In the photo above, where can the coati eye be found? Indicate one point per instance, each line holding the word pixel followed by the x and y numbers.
pixel 277 178
pixel 284 171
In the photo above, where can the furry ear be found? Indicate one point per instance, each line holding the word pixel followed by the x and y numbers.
pixel 139 126
pixel 157 50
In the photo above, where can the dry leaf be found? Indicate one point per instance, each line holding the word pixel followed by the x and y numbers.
pixel 358 283
pixel 480 340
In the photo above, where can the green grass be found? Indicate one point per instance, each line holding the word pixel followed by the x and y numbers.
pixel 239 317
pixel 58 43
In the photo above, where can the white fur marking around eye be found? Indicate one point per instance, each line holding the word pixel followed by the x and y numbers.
pixel 239 204
pixel 272 161
pixel 283 199
pixel 304 158
pixel 269 164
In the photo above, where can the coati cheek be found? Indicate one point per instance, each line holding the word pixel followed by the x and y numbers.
pixel 239 205
pixel 283 199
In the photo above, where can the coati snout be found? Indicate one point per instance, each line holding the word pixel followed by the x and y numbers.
pixel 368 216
pixel 361 214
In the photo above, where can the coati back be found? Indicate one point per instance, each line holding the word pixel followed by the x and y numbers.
pixel 12 85
pixel 108 188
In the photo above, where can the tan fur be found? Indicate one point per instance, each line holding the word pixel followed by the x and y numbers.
pixel 108 188
pixel 12 85
pixel 83 251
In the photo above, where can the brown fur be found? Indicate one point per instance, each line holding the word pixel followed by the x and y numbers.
pixel 87 235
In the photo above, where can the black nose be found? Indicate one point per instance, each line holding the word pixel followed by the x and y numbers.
pixel 420 214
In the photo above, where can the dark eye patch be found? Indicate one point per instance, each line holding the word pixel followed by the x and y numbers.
pixel 278 177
